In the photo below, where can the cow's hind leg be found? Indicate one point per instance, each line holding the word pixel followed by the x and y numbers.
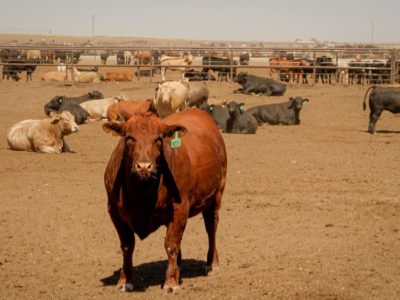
pixel 127 239
pixel 211 218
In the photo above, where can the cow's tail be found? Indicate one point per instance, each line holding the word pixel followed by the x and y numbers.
pixel 365 97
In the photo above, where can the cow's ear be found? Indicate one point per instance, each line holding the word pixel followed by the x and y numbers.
pixel 241 107
pixel 55 117
pixel 114 128
pixel 305 100
pixel 174 131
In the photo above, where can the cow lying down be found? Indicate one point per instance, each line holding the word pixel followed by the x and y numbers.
pixel 287 113
pixel 46 135
pixel 252 84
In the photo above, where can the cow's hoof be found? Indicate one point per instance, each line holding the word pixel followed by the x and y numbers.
pixel 210 271
pixel 125 287
pixel 168 289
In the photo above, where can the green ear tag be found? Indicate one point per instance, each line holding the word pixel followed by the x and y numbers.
pixel 176 141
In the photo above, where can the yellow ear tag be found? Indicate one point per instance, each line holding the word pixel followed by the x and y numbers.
pixel 176 141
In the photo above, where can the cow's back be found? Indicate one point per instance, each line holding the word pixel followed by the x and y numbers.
pixel 19 136
pixel 207 153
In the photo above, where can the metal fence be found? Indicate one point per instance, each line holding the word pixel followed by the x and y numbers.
pixel 294 65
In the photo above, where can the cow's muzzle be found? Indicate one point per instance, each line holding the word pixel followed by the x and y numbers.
pixel 144 170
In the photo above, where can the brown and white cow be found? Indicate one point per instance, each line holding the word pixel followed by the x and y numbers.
pixel 46 135
pixel 162 172
pixel 175 63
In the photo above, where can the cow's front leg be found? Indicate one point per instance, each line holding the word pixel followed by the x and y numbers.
pixel 172 245
pixel 127 239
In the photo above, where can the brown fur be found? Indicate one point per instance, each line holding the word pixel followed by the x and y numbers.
pixel 176 183
pixel 126 109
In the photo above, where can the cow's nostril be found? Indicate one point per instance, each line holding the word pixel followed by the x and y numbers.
pixel 144 166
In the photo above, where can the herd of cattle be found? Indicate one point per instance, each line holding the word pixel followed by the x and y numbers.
pixel 287 68
pixel 170 163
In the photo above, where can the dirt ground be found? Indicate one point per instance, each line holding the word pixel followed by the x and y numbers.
pixel 309 211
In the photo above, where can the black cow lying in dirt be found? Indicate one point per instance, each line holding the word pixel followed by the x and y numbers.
pixel 88 96
pixel 219 113
pixel 193 75
pixel 381 99
pixel 60 103
pixel 13 68
pixel 239 120
pixel 286 113
pixel 252 84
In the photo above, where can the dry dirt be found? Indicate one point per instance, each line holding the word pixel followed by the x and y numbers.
pixel 309 211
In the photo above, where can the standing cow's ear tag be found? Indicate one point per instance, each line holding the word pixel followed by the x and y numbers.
pixel 176 141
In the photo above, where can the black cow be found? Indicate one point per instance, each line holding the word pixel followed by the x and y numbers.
pixel 223 66
pixel 252 84
pixel 244 58
pixel 327 70
pixel 60 103
pixel 239 120
pixel 14 67
pixel 381 99
pixel 286 113
pixel 88 96
pixel 219 113
pixel 193 75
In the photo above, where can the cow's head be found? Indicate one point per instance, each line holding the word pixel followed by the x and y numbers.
pixel 165 92
pixel 96 95
pixel 145 138
pixel 65 121
pixel 54 104
pixel 235 108
pixel 297 103
pixel 241 78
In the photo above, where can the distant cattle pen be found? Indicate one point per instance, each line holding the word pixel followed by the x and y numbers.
pixel 367 65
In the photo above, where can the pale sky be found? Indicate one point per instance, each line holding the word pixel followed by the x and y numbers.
pixel 247 20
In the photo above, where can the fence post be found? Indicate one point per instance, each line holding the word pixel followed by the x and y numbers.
pixel 393 67
pixel 314 67
pixel 231 75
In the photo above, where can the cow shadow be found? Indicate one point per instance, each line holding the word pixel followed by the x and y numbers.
pixel 153 273
pixel 388 131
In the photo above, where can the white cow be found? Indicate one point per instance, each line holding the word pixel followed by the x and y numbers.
pixel 127 57
pixel 170 96
pixel 46 135
pixel 97 108
pixel 177 63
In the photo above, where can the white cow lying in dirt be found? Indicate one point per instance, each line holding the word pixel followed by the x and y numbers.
pixel 97 109
pixel 170 96
pixel 46 135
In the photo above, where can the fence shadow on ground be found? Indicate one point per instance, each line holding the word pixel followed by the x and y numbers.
pixel 153 273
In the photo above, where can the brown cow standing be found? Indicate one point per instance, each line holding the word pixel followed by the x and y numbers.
pixel 162 172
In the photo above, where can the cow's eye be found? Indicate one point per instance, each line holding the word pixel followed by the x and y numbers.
pixel 130 140
pixel 158 141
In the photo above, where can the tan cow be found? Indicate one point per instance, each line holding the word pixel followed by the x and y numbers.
pixel 175 63
pixel 46 135
pixel 170 96
pixel 33 54
pixel 97 109
pixel 86 77
pixel 56 76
